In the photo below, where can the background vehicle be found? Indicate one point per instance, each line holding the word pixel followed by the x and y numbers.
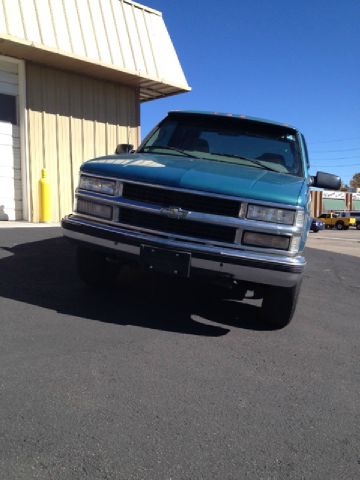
pixel 334 220
pixel 316 225
pixel 221 196
pixel 351 214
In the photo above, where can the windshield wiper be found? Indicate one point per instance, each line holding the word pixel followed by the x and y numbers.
pixel 163 147
pixel 251 160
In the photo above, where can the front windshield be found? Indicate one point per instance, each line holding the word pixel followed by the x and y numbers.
pixel 227 140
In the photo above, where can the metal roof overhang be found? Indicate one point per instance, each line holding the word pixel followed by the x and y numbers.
pixel 149 88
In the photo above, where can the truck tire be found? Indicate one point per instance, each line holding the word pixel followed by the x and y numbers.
pixel 94 269
pixel 339 225
pixel 279 305
pixel 358 226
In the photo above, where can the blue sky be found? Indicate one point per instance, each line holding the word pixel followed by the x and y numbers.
pixel 292 62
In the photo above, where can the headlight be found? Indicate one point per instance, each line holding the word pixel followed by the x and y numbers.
pixel 269 214
pixel 99 185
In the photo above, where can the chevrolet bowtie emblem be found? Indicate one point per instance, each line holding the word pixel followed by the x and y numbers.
pixel 174 212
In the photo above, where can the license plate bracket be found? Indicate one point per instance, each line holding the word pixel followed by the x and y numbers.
pixel 166 261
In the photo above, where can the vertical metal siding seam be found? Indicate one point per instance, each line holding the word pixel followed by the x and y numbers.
pixel 92 88
pixel 22 19
pixel 129 117
pixel 106 92
pixel 69 117
pixel 31 200
pixel 67 26
pixel 5 17
pixel 81 29
pixel 38 22
pixel 117 34
pixel 129 37
pixel 53 25
pixel 106 123
pixel 94 30
pixel 57 86
pixel 57 157
pixel 150 43
pixel 81 133
pixel 104 119
pixel 94 140
pixel 28 144
pixel 71 153
pixel 117 113
pixel 106 33
pixel 139 37
pixel 42 120
pixel 138 116
pixel 81 80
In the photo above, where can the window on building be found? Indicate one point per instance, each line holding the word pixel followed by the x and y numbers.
pixel 8 110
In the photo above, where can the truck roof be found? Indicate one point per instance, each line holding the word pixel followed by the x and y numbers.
pixel 235 116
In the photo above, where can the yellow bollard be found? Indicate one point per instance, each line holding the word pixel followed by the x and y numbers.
pixel 44 198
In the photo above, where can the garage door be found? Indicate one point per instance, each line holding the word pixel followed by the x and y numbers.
pixel 10 163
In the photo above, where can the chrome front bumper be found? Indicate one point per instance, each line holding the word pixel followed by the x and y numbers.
pixel 242 265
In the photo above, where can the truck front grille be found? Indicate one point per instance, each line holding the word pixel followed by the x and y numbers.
pixel 185 200
pixel 186 228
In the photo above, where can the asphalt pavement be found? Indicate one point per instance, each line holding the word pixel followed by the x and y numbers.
pixel 165 380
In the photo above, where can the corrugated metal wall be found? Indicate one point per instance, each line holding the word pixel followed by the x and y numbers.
pixel 72 118
pixel 319 196
pixel 118 33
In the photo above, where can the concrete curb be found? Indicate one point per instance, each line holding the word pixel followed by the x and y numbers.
pixel 11 224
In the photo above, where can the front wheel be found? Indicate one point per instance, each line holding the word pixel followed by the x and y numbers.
pixel 94 269
pixel 279 305
pixel 339 226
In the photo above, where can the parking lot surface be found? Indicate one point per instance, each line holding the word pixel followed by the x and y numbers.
pixel 165 380
pixel 343 241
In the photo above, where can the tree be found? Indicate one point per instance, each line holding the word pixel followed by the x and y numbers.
pixel 355 181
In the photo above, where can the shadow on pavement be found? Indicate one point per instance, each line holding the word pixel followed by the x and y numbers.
pixel 43 273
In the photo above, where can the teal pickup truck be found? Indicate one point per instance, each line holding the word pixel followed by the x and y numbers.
pixel 219 195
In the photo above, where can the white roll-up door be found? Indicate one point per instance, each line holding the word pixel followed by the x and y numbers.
pixel 10 161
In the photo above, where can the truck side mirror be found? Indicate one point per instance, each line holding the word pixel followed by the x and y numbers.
pixel 124 148
pixel 326 180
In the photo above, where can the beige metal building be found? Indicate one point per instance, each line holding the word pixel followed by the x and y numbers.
pixel 324 201
pixel 72 76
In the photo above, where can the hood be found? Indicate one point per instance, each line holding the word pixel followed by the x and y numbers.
pixel 198 174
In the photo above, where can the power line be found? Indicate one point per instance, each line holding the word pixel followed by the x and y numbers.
pixel 337 158
pixel 335 140
pixel 334 151
pixel 336 166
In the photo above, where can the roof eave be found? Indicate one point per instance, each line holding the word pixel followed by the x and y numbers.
pixel 149 88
